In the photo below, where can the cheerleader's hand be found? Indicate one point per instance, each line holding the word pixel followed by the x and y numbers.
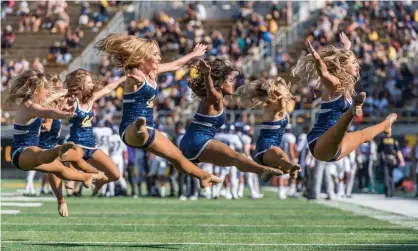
pixel 345 42
pixel 199 50
pixel 204 67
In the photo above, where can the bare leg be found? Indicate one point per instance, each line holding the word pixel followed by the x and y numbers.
pixel 330 142
pixel 105 164
pixel 276 157
pixel 353 140
pixel 34 156
pixel 69 185
pixel 56 185
pixel 79 163
pixel 64 172
pixel 164 148
pixel 220 154
pixel 137 133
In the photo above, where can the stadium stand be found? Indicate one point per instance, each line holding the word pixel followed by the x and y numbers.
pixel 384 40
pixel 55 28
pixel 236 37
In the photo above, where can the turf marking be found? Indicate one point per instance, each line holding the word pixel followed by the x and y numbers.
pixel 200 225
pixel 9 211
pixel 17 204
pixel 393 218
pixel 216 243
pixel 156 213
pixel 21 198
pixel 10 194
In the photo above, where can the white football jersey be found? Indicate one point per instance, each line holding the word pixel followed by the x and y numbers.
pixel 288 138
pixel 117 147
pixel 245 139
pixel 223 137
pixel 102 135
pixel 235 142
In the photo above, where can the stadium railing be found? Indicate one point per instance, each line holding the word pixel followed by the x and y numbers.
pixel 255 65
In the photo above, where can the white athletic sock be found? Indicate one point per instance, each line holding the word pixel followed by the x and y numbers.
pixel 29 187
pixel 251 185
pixel 256 183
pixel 218 187
pixel 341 189
pixel 112 189
pixel 222 192
pixel 208 192
pixel 234 182
pixel 282 192
pixel 122 183
pixel 241 190
pixel 162 191
pixel 292 189
pixel 228 194
pixel 103 189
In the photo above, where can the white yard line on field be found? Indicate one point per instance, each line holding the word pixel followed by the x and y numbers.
pixel 3 194
pixel 177 213
pixel 116 243
pixel 9 211
pixel 202 225
pixel 17 204
pixel 391 234
pixel 21 198
pixel 393 218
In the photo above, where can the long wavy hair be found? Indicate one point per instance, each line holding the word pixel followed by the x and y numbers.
pixel 260 93
pixel 56 86
pixel 336 61
pixel 220 70
pixel 127 51
pixel 74 82
pixel 30 84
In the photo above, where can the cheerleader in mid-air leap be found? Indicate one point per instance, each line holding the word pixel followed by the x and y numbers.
pixel 215 80
pixel 272 95
pixel 337 70
pixel 82 93
pixel 27 95
pixel 140 58
pixel 49 136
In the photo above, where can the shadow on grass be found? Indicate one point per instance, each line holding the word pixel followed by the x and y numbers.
pixel 127 245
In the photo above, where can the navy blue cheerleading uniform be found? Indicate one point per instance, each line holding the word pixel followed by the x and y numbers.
pixel 271 134
pixel 139 104
pixel 25 136
pixel 329 113
pixel 81 130
pixel 201 131
pixel 49 139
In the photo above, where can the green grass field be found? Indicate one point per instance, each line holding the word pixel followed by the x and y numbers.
pixel 103 224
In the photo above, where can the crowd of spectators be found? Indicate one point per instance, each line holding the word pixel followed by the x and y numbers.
pixel 10 69
pixel 385 40
pixel 52 16
pixel 178 37
pixel 7 37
